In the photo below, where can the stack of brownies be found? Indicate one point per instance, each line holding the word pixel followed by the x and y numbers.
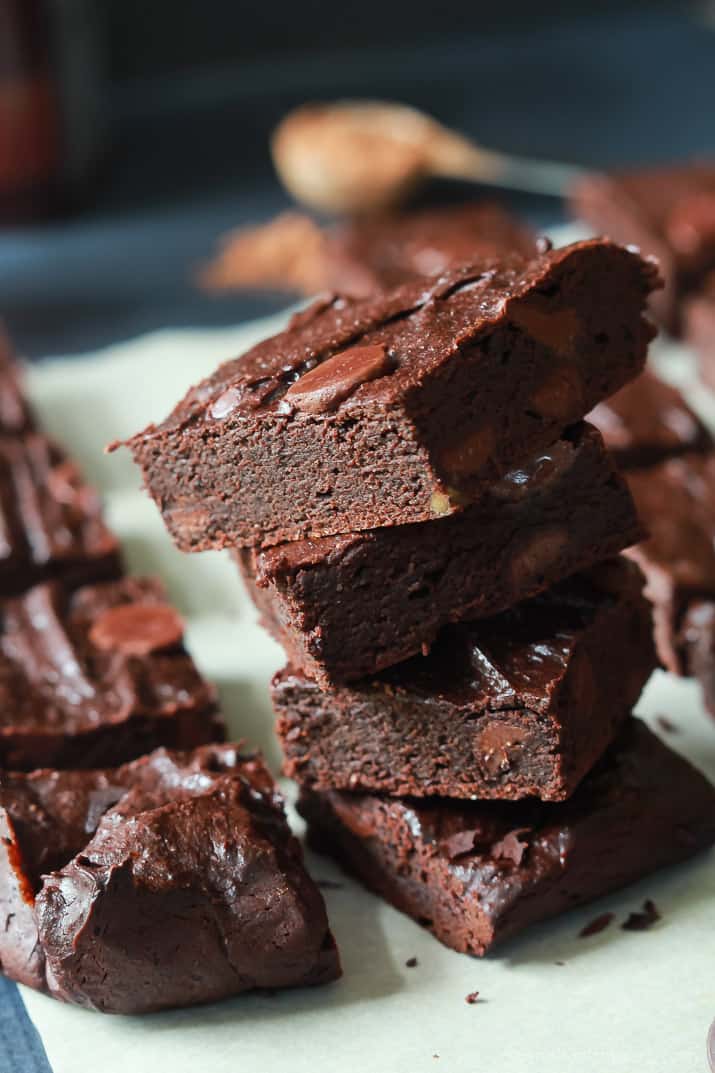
pixel 432 532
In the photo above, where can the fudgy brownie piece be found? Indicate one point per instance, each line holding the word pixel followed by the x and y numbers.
pixel 669 212
pixel 676 502
pixel 402 407
pixel 700 330
pixel 376 253
pixel 521 705
pixel 96 677
pixel 347 606
pixel 15 413
pixel 51 523
pixel 476 873
pixel 167 882
pixel 648 421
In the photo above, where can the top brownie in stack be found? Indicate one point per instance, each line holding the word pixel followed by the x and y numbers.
pixel 399 408
pixel 668 212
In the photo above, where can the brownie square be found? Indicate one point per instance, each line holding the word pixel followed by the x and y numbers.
pixel 402 407
pixel 668 212
pixel 166 882
pixel 345 607
pixel 96 677
pixel 676 502
pixel 51 523
pixel 476 873
pixel 520 705
pixel 376 253
pixel 648 421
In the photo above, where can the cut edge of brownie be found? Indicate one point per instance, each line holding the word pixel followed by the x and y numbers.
pixel 477 873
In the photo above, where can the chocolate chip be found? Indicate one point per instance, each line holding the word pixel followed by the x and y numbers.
pixel 412 963
pixel 472 998
pixel 137 629
pixel 598 924
pixel 648 916
pixel 334 380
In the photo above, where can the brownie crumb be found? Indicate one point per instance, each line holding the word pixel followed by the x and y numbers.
pixel 412 963
pixel 598 924
pixel 559 963
pixel 472 998
pixel 647 917
pixel 328 884
pixel 666 724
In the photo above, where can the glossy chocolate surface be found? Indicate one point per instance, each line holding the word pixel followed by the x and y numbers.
pixel 168 881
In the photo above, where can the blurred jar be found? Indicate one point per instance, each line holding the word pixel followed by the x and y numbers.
pixel 51 97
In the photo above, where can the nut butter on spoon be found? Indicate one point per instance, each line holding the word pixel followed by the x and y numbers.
pixel 355 157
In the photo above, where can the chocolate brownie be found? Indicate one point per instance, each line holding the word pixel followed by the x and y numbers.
pixel 676 502
pixel 402 407
pixel 700 330
pixel 697 633
pixel 51 523
pixel 648 421
pixel 167 882
pixel 477 872
pixel 346 606
pixel 96 677
pixel 15 414
pixel 669 212
pixel 376 253
pixel 520 705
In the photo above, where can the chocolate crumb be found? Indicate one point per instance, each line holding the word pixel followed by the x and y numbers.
pixel 328 884
pixel 665 724
pixel 412 963
pixel 559 963
pixel 472 998
pixel 648 916
pixel 598 924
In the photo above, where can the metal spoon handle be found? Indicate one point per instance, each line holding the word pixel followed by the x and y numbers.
pixel 461 159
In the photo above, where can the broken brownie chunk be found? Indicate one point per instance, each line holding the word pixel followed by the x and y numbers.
pixel 170 881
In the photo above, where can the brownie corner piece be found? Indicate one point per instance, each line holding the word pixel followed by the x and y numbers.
pixel 520 705
pixel 97 676
pixel 477 873
pixel 185 882
pixel 455 382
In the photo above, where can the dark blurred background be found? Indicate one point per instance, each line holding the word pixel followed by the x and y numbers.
pixel 167 108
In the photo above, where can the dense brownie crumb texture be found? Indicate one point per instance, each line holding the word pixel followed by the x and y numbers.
pixel 168 880
pixel 401 407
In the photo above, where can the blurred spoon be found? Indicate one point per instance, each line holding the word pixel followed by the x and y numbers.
pixel 362 156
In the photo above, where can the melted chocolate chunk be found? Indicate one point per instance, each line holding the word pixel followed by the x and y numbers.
pixel 325 387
